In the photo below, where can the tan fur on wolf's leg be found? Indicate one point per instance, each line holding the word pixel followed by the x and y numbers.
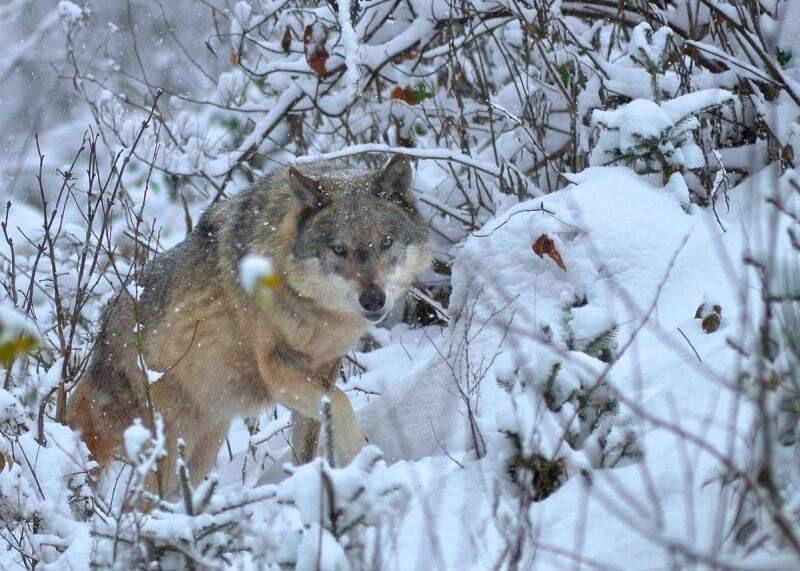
pixel 303 394
pixel 166 470
pixel 204 455
pixel 201 448
pixel 94 431
pixel 182 419
pixel 200 452
pixel 348 439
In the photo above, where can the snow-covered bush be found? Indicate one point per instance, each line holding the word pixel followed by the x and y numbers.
pixel 570 392
pixel 649 134
pixel 43 487
pixel 546 389
pixel 319 517
pixel 655 138
pixel 350 511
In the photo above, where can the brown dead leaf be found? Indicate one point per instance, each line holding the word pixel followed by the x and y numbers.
pixel 234 58
pixel 711 323
pixel 314 38
pixel 771 381
pixel 544 246
pixel 286 41
pixel 710 317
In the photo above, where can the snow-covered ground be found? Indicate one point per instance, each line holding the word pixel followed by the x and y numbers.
pixel 635 259
pixel 609 376
pixel 440 402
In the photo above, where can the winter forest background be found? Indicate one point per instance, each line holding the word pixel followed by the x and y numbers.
pixel 601 370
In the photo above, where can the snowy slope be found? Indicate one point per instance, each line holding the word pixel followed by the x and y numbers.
pixel 440 403
pixel 637 257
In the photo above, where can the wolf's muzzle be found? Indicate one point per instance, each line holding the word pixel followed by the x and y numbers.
pixel 372 300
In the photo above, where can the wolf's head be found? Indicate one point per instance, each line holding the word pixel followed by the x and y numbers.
pixel 360 242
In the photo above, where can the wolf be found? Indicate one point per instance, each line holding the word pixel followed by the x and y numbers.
pixel 344 244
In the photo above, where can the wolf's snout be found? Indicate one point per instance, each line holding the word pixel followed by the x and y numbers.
pixel 372 300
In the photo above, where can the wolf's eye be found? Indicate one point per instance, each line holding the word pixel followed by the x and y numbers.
pixel 386 243
pixel 339 250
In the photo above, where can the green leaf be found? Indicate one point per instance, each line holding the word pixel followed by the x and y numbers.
pixel 422 92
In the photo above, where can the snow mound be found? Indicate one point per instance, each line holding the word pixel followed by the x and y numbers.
pixel 637 267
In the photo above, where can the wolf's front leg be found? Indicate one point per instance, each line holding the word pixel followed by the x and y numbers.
pixel 302 393
pixel 348 439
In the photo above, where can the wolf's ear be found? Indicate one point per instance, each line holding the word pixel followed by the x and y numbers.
pixel 307 190
pixel 395 182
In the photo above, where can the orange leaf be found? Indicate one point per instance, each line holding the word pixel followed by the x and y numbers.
pixel 544 246
pixel 234 58
pixel 404 94
pixel 314 45
pixel 411 53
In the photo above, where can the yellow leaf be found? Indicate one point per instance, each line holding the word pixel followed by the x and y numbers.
pixel 10 350
pixel 270 280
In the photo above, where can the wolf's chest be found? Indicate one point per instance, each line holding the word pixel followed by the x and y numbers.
pixel 325 341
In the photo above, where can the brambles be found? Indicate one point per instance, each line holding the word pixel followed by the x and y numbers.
pixel 501 107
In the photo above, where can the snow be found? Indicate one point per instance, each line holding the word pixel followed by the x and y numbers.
pixel 678 188
pixel 588 322
pixel 71 14
pixel 435 154
pixel 253 270
pixel 639 118
pixel 144 449
pixel 568 406
pixel 320 550
pixel 352 76
pixel 51 378
pixel 643 129
pixel 10 407
pixel 230 86
pixel 648 46
pixel 135 438
pixel 240 22
pixel 622 272
pixel 693 103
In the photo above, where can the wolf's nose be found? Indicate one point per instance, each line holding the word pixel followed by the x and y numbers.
pixel 372 300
